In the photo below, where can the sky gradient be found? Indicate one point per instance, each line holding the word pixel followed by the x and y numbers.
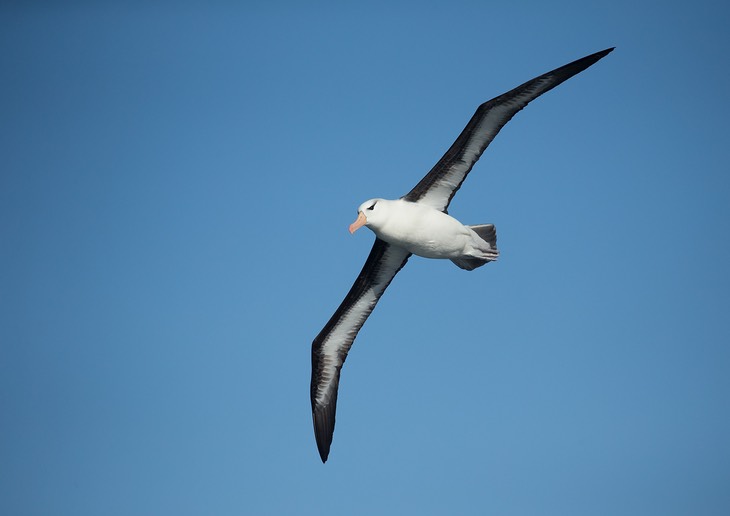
pixel 175 190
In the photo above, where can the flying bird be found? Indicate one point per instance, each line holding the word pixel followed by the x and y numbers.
pixel 418 223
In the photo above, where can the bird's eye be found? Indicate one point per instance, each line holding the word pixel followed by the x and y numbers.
pixel 373 206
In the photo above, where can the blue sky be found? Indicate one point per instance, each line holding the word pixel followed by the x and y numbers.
pixel 175 190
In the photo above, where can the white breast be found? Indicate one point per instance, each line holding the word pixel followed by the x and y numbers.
pixel 422 230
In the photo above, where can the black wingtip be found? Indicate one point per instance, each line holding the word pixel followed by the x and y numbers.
pixel 593 58
pixel 581 64
pixel 604 53
pixel 323 418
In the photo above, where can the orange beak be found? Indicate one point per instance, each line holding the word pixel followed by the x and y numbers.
pixel 359 222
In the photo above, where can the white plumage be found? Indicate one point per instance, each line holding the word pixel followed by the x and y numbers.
pixel 424 231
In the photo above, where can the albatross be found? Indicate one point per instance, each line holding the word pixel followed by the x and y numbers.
pixel 418 223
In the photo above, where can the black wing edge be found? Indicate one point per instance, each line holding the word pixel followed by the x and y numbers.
pixel 456 151
pixel 323 416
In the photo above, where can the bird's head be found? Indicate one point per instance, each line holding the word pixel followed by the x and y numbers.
pixel 371 213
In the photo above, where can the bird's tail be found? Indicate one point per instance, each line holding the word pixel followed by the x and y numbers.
pixel 488 233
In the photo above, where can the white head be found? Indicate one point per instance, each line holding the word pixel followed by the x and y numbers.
pixel 371 213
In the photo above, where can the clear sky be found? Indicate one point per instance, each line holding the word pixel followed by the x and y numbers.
pixel 175 190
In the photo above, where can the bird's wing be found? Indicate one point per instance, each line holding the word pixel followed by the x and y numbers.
pixel 438 187
pixel 330 348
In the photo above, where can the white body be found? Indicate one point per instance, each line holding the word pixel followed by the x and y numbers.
pixel 423 230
